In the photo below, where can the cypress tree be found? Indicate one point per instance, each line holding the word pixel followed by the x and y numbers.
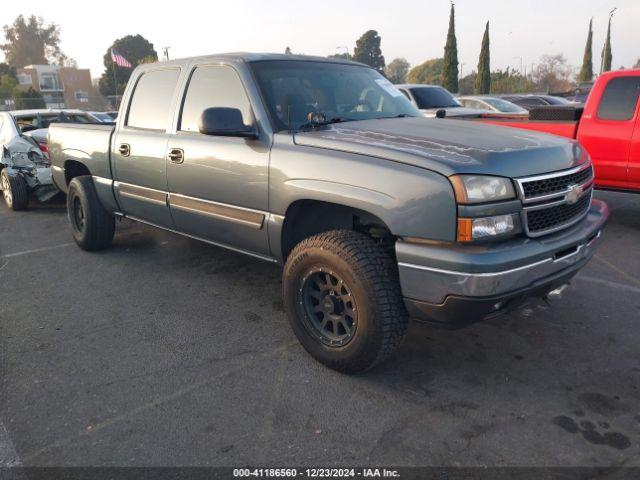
pixel 483 78
pixel 449 77
pixel 606 51
pixel 586 72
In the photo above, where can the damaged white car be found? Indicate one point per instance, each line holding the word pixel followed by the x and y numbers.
pixel 24 166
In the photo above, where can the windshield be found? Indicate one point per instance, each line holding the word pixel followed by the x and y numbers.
pixel 433 97
pixel 555 100
pixel 341 92
pixel 504 105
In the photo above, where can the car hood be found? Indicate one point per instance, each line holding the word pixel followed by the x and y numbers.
pixel 448 146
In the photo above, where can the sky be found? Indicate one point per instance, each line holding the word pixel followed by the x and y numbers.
pixel 520 30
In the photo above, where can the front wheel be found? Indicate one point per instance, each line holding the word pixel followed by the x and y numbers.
pixel 14 191
pixel 342 296
pixel 91 225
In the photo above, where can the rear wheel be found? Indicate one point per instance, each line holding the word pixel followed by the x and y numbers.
pixel 342 296
pixel 91 225
pixel 14 191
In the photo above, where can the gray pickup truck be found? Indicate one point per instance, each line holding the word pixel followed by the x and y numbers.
pixel 377 213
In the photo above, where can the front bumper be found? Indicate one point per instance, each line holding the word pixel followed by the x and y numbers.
pixel 455 285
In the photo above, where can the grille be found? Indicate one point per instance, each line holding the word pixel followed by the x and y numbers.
pixel 549 218
pixel 547 186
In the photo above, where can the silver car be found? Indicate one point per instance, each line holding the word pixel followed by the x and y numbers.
pixel 492 105
pixel 429 99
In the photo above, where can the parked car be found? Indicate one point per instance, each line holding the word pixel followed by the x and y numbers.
pixel 581 93
pixel 431 98
pixel 34 123
pixel 25 159
pixel 530 101
pixel 492 105
pixel 322 165
pixel 103 117
pixel 608 127
pixel 24 166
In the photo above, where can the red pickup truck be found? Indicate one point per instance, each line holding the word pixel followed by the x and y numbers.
pixel 608 127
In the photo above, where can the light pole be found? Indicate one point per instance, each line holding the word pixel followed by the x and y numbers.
pixel 346 50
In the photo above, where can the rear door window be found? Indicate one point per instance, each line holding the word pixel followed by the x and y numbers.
pixel 150 106
pixel 619 99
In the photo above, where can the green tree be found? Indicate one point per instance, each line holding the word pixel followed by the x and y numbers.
pixel 397 70
pixel 586 72
pixel 6 69
pixel 32 42
pixel 467 84
pixel 507 81
pixel 28 99
pixel 368 51
pixel 450 67
pixel 606 51
pixel 429 72
pixel 8 85
pixel 137 50
pixel 483 78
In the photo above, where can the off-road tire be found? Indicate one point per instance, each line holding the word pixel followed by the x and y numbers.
pixel 372 278
pixel 18 198
pixel 95 231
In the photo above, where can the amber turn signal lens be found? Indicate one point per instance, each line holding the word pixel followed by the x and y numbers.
pixel 464 230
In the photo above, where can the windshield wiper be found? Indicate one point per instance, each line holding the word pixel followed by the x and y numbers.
pixel 319 120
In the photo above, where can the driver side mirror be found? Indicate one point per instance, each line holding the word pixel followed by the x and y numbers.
pixel 225 122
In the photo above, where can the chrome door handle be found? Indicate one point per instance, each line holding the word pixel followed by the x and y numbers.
pixel 124 149
pixel 176 155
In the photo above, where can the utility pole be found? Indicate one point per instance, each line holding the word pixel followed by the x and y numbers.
pixel 346 50
pixel 165 51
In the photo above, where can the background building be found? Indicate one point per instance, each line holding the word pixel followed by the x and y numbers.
pixel 61 87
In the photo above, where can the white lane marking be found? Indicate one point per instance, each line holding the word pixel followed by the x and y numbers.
pixel 626 275
pixel 37 250
pixel 4 265
pixel 8 455
pixel 614 285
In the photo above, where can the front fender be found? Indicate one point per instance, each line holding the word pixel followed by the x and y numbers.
pixel 411 201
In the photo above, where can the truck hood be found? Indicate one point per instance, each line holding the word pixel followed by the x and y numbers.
pixel 448 146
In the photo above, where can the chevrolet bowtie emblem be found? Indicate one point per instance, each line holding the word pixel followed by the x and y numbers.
pixel 574 194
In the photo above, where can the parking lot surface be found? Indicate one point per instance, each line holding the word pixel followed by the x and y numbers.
pixel 163 351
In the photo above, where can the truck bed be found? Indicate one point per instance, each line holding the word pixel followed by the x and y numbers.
pixel 568 129
pixel 557 120
pixel 88 144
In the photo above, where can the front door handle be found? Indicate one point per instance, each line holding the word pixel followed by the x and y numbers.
pixel 176 155
pixel 124 149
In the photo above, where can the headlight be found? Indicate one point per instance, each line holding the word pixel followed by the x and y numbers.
pixel 470 229
pixel 481 188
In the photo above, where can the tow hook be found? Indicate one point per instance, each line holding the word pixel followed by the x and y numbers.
pixel 556 294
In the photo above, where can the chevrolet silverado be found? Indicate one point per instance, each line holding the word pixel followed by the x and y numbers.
pixel 376 213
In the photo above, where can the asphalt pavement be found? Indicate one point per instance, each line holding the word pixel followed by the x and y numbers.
pixel 163 351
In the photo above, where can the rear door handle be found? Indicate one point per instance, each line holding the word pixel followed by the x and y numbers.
pixel 124 149
pixel 176 155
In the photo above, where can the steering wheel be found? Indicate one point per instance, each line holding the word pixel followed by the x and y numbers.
pixel 360 103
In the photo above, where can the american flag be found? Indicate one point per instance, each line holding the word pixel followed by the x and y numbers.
pixel 119 59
